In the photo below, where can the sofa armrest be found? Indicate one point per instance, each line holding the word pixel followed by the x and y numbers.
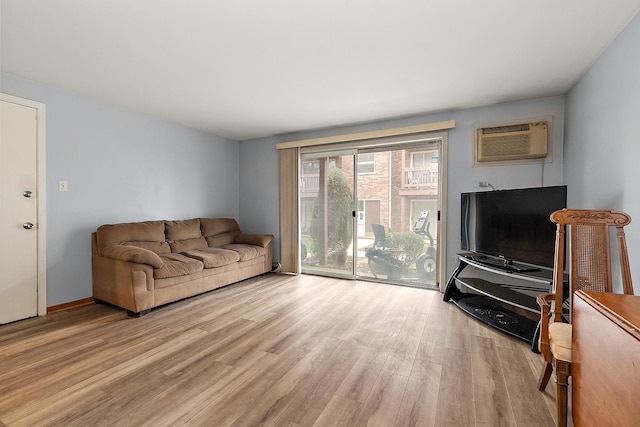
pixel 133 254
pixel 254 239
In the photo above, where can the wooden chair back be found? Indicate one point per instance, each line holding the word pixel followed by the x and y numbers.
pixel 589 252
pixel 589 266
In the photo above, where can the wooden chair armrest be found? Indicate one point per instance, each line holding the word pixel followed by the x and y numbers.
pixel 544 300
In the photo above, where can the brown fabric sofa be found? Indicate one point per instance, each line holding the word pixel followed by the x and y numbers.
pixel 141 265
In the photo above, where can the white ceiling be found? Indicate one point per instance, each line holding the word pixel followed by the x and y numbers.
pixel 243 69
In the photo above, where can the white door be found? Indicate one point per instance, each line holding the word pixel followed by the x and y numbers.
pixel 18 212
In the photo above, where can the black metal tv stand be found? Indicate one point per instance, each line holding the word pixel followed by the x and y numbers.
pixel 501 263
pixel 499 293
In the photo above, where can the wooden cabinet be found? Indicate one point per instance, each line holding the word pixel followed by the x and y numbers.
pixel 605 359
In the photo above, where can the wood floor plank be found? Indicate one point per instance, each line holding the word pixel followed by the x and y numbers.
pixel 313 393
pixel 276 350
pixel 213 392
pixel 72 395
pixel 234 346
pixel 383 403
pixel 53 336
pixel 419 404
pixel 403 353
pixel 340 412
pixel 492 404
pixel 549 395
pixel 458 332
pixel 455 393
pixel 154 394
pixel 157 406
pixel 392 321
pixel 318 331
pixel 358 383
pixel 434 336
pixel 35 328
pixel 68 373
pixel 378 350
pixel 281 401
pixel 527 402
pixel 249 392
pixel 29 366
pixel 298 329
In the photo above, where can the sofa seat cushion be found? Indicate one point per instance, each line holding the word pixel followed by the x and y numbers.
pixel 213 257
pixel 177 265
pixel 246 252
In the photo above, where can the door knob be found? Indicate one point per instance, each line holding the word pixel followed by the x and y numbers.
pixel 27 193
pixel 27 225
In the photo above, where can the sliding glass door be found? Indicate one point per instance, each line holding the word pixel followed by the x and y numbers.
pixel 373 212
pixel 327 200
pixel 398 207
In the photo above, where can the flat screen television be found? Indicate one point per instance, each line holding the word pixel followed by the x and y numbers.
pixel 512 225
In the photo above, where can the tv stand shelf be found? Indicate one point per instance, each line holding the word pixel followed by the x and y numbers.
pixel 499 294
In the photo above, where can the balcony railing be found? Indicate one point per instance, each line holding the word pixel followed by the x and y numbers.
pixel 310 183
pixel 420 178
pixel 412 178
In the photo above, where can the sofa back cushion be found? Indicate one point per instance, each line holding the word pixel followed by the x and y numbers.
pixel 148 235
pixel 219 231
pixel 184 235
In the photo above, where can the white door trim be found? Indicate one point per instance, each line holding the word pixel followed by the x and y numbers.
pixel 41 195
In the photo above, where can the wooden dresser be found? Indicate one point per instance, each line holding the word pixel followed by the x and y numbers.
pixel 605 359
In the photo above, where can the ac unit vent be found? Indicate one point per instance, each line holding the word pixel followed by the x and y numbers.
pixel 512 142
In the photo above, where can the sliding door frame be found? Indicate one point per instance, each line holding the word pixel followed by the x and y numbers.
pixel 352 154
pixel 366 139
pixel 390 144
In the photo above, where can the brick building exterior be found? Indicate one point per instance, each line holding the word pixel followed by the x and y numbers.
pixel 393 187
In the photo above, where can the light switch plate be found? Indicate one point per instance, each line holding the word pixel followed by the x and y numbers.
pixel 63 186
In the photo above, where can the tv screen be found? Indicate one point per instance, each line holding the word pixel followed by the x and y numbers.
pixel 512 224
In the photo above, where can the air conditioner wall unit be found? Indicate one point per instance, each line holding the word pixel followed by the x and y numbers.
pixel 512 142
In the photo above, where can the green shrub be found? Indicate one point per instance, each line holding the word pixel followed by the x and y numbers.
pixel 411 243
pixel 340 219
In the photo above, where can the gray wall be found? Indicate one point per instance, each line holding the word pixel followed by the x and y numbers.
pixel 259 162
pixel 602 136
pixel 120 166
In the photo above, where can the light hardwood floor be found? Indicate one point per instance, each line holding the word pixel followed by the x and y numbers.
pixel 275 350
